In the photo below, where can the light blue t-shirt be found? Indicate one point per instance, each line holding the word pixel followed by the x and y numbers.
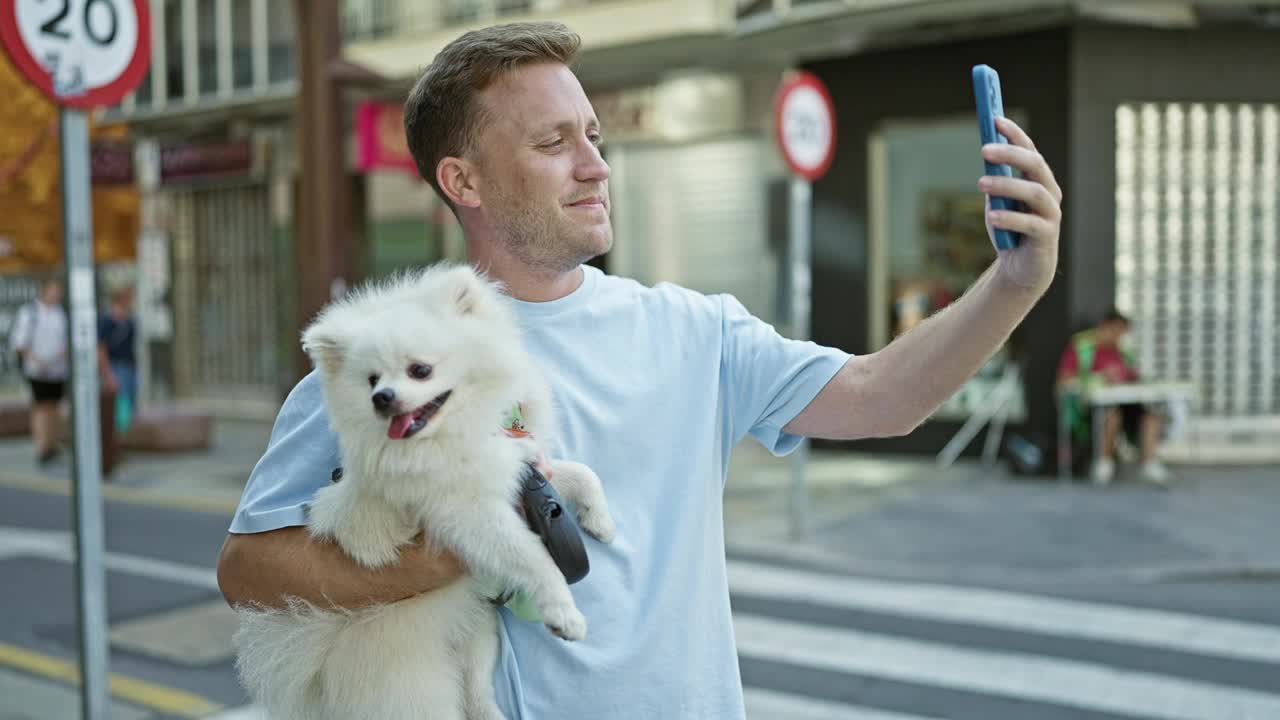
pixel 654 387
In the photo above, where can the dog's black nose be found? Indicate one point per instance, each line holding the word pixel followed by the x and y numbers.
pixel 383 399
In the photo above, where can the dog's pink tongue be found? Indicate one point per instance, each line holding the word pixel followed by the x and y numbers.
pixel 399 426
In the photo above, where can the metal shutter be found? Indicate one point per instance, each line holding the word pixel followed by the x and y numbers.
pixel 1196 250
pixel 696 215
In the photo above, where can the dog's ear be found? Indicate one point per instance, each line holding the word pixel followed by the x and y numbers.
pixel 467 290
pixel 320 342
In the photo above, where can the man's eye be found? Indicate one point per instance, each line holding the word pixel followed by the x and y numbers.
pixel 419 371
pixel 373 380
pixel 595 139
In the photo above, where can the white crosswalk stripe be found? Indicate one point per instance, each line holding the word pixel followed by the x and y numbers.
pixel 765 633
pixel 1014 611
pixel 1014 675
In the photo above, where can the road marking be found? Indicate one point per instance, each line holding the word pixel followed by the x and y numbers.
pixel 57 545
pixel 248 712
pixel 120 493
pixel 1022 676
pixel 771 705
pixel 170 701
pixel 1014 611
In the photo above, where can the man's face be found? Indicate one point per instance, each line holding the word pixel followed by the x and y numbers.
pixel 1111 332
pixel 543 186
pixel 51 294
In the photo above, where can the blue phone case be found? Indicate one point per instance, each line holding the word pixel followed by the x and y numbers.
pixel 986 91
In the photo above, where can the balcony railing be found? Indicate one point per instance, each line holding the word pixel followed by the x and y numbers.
pixel 365 20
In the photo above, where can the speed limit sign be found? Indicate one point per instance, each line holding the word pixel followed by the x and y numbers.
pixel 804 122
pixel 81 53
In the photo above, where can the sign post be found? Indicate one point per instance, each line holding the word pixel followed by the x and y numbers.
pixel 82 54
pixel 805 130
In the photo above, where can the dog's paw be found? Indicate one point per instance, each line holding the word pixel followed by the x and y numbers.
pixel 565 621
pixel 599 523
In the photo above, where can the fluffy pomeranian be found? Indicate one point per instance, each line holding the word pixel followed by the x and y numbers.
pixel 418 373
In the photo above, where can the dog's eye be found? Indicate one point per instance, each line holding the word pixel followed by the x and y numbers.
pixel 373 380
pixel 419 371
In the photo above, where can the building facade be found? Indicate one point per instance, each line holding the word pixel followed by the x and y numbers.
pixel 1158 118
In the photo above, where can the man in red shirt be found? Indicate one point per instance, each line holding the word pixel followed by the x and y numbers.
pixel 1098 352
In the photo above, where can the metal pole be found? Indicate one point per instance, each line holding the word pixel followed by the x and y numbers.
pixel 82 330
pixel 798 231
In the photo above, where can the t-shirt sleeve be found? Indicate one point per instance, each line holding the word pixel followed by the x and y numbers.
pixel 768 379
pixel 299 460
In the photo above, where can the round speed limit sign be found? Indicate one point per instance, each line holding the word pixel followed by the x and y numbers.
pixel 81 53
pixel 804 122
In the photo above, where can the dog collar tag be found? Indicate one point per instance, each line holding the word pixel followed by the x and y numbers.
pixel 513 422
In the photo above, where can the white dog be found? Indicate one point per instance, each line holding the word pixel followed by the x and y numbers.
pixel 417 375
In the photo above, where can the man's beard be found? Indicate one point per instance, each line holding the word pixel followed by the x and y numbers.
pixel 541 240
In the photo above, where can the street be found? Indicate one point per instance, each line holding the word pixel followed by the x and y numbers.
pixel 815 641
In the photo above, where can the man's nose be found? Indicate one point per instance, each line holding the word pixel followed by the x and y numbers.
pixel 383 399
pixel 592 167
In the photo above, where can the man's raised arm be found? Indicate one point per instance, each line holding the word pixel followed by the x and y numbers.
pixel 892 391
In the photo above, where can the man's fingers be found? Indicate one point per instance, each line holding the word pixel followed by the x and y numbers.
pixel 1020 222
pixel 1029 162
pixel 1015 134
pixel 1036 196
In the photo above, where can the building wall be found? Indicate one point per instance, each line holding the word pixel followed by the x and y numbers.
pixel 924 83
pixel 1224 64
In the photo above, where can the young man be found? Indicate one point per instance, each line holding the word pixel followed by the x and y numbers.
pixel 116 340
pixel 654 386
pixel 40 339
pixel 1094 357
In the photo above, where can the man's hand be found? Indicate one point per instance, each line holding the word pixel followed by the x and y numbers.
pixel 1032 264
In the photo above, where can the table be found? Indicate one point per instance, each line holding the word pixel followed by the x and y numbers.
pixel 1102 397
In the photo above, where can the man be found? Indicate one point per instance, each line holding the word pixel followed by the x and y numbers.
pixel 1094 357
pixel 654 385
pixel 40 339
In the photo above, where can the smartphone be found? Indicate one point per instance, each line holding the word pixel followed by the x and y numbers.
pixel 986 91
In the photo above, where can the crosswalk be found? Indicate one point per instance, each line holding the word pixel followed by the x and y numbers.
pixel 814 646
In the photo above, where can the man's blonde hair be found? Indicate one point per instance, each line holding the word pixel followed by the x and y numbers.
pixel 443 115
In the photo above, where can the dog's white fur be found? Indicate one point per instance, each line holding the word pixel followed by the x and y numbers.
pixel 457 479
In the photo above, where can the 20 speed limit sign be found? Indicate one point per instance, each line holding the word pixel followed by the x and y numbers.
pixel 81 53
pixel 804 122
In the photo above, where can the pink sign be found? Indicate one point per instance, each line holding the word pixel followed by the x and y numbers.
pixel 380 138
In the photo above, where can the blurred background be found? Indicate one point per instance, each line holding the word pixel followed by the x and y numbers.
pixel 968 570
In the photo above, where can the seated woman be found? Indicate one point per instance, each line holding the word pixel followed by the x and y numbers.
pixel 1094 357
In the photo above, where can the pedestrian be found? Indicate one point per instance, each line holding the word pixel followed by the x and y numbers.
pixel 655 386
pixel 116 336
pixel 1095 357
pixel 40 338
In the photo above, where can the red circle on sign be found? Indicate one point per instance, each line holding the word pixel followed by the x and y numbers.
pixel 101 96
pixel 796 81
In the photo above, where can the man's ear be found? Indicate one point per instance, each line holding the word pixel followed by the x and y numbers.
pixel 320 343
pixel 457 180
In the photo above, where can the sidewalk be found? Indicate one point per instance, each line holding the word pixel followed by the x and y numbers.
pixel 206 479
pixel 905 518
